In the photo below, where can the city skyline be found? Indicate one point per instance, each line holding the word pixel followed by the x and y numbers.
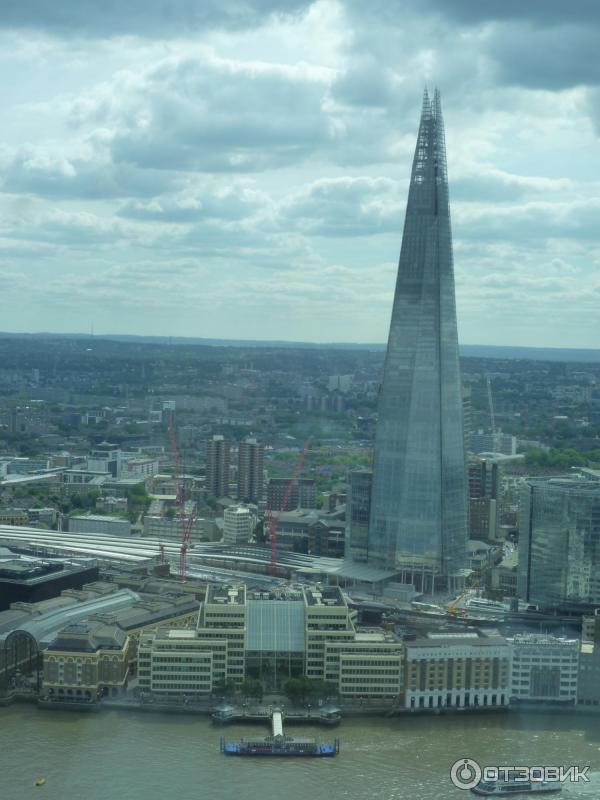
pixel 418 512
pixel 233 175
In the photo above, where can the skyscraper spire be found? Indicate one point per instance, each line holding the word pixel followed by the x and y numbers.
pixel 418 516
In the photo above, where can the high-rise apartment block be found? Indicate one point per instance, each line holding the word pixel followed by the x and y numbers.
pixel 418 518
pixel 250 478
pixel 217 466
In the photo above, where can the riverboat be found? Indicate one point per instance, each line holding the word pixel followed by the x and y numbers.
pixel 513 786
pixel 281 746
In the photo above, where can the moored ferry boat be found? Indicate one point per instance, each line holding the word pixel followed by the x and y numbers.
pixel 280 746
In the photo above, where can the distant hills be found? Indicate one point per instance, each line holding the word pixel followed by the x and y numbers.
pixel 467 350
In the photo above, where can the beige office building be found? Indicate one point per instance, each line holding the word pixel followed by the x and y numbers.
pixel 175 662
pixel 222 627
pixel 457 670
pixel 370 666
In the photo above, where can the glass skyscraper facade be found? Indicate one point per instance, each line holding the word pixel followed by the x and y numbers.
pixel 418 515
pixel 357 514
pixel 559 543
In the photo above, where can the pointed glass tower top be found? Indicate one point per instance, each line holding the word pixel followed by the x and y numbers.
pixel 418 515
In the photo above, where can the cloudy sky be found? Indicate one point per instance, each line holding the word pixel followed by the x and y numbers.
pixel 238 168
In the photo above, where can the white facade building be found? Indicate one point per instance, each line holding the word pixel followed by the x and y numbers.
pixel 238 524
pixel 544 668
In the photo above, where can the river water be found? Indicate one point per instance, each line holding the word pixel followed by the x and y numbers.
pixel 152 756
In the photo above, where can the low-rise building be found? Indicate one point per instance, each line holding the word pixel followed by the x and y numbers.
pixel 481 555
pixel 42 516
pixel 238 524
pixel 222 627
pixel 588 682
pixel 469 669
pixel 138 467
pixel 85 661
pixel 98 523
pixel 13 516
pixel 160 527
pixel 273 636
pixel 111 505
pixel 504 574
pixel 327 620
pixel 175 663
pixel 544 669
pixel 369 666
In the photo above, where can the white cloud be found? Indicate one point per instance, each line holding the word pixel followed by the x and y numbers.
pixel 241 169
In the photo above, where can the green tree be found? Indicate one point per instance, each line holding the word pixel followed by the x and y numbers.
pixel 303 689
pixel 252 688
pixel 294 689
pixel 225 686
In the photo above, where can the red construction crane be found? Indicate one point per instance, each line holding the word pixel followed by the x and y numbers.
pixel 271 521
pixel 186 521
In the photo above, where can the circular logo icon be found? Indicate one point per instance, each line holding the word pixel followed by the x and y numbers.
pixel 465 773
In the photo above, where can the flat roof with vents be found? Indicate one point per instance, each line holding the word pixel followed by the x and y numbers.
pixel 226 594
pixel 326 596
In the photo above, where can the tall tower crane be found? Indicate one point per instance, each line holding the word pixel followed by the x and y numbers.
pixel 186 521
pixel 271 520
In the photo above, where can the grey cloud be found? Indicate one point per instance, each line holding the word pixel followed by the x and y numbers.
pixel 209 203
pixel 530 222
pixel 593 106
pixel 346 207
pixel 148 18
pixel 73 229
pixel 365 83
pixel 35 170
pixel 549 58
pixel 549 44
pixel 542 12
pixel 490 186
pixel 216 115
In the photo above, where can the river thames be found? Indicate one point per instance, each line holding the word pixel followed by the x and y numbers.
pixel 152 756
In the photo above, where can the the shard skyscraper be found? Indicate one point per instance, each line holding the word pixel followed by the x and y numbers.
pixel 418 512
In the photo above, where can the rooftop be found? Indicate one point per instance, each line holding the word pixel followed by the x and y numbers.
pixel 89 637
pixel 226 594
pixel 29 570
pixel 44 627
pixel 371 637
pixel 181 633
pixel 275 626
pixel 326 596
pixel 472 637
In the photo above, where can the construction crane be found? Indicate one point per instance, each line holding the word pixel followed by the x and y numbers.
pixel 271 520
pixel 491 405
pixel 186 521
